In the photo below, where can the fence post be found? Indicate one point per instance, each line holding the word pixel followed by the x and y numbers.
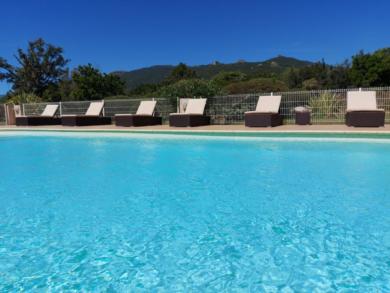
pixel 22 109
pixel 177 104
pixel 104 107
pixel 6 113
pixel 60 108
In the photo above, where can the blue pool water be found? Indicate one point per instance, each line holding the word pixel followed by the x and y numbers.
pixel 148 214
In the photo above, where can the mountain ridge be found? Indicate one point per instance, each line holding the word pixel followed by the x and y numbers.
pixel 158 73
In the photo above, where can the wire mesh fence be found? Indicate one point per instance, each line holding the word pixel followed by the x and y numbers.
pixel 2 114
pixel 33 109
pixel 327 106
pixel 164 107
pixel 111 107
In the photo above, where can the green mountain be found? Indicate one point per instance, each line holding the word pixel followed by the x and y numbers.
pixel 158 73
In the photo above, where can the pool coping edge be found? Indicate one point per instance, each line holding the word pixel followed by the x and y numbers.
pixel 224 133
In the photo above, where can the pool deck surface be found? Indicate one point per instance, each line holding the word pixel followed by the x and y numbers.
pixel 211 129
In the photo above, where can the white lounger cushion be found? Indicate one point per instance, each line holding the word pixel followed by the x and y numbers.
pixel 146 108
pixel 267 104
pixel 194 107
pixel 95 108
pixel 49 111
pixel 362 101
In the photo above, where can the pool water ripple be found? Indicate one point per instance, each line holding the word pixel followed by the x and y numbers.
pixel 119 215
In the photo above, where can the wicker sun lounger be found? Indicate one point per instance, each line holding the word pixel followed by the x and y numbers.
pixel 362 110
pixel 266 114
pixel 143 117
pixel 47 117
pixel 91 117
pixel 193 115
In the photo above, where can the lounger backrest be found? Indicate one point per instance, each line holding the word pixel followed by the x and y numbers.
pixel 146 108
pixel 361 101
pixel 50 110
pixel 95 108
pixel 196 106
pixel 268 104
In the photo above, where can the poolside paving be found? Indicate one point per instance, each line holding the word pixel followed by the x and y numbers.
pixel 213 128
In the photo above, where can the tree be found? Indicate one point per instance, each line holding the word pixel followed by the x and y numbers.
pixel 60 91
pixel 189 88
pixel 339 75
pixel 65 89
pixel 292 77
pixel 42 65
pixel 319 71
pixel 91 84
pixel 311 84
pixel 113 85
pixel 144 89
pixel 180 72
pixel 371 69
pixel 319 75
pixel 257 85
pixel 226 77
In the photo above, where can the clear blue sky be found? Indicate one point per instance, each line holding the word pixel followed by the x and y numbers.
pixel 124 35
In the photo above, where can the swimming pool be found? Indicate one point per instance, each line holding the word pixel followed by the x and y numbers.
pixel 178 214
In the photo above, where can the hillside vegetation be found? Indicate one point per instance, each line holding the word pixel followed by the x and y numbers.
pixel 41 74
pixel 159 73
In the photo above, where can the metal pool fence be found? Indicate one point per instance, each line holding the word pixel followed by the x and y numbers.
pixel 111 107
pixel 327 106
pixel 2 114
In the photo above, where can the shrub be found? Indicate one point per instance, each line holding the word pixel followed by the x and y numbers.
pixel 327 105
pixel 118 97
pixel 257 85
pixel 225 78
pixel 311 84
pixel 22 98
pixel 189 88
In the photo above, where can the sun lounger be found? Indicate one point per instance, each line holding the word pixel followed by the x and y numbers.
pixel 266 114
pixel 362 110
pixel 193 115
pixel 143 117
pixel 91 117
pixel 47 117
